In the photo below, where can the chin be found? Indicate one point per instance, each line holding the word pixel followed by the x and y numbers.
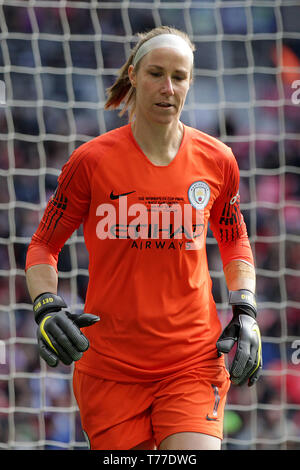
pixel 165 119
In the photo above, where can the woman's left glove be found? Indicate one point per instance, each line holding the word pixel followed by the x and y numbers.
pixel 243 330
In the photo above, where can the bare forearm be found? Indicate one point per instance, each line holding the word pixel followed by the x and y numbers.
pixel 41 278
pixel 240 275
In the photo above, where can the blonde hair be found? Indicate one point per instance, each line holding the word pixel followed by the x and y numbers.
pixel 122 91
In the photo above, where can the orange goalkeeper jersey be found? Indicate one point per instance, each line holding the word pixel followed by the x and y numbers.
pixel 145 230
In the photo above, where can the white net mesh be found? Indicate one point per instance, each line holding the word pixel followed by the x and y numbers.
pixel 56 59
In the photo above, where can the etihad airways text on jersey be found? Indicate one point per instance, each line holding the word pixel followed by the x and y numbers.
pixel 175 221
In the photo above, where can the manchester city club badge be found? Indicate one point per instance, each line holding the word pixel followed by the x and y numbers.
pixel 199 194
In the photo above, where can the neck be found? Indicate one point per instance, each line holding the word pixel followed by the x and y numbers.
pixel 159 142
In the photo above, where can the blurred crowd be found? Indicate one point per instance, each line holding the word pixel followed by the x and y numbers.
pixel 55 95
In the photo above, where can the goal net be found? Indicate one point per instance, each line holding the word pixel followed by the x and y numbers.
pixel 56 60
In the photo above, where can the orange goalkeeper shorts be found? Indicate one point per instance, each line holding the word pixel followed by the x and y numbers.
pixel 119 416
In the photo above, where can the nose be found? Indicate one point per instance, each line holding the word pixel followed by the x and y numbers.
pixel 167 87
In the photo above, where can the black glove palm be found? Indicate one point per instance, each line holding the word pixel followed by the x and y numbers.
pixel 58 334
pixel 243 330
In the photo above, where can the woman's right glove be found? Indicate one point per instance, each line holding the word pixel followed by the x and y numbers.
pixel 58 334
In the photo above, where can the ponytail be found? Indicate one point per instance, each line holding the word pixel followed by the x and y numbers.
pixel 121 90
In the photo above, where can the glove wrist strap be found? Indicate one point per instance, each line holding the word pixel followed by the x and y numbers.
pixel 244 299
pixel 46 303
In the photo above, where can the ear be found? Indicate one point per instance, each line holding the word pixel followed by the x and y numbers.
pixel 132 75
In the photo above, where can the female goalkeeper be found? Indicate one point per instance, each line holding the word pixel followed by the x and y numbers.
pixel 153 371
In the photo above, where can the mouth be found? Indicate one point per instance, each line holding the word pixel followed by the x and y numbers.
pixel 164 105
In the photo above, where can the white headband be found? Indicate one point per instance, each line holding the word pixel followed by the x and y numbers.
pixel 163 40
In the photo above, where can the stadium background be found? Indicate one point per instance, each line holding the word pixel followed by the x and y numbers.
pixel 56 59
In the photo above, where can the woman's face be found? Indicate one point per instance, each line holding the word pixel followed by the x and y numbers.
pixel 162 81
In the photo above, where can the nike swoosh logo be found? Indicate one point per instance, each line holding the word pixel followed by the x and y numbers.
pixel 116 196
pixel 211 419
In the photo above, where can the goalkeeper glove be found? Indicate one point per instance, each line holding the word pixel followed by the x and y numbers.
pixel 58 333
pixel 243 330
